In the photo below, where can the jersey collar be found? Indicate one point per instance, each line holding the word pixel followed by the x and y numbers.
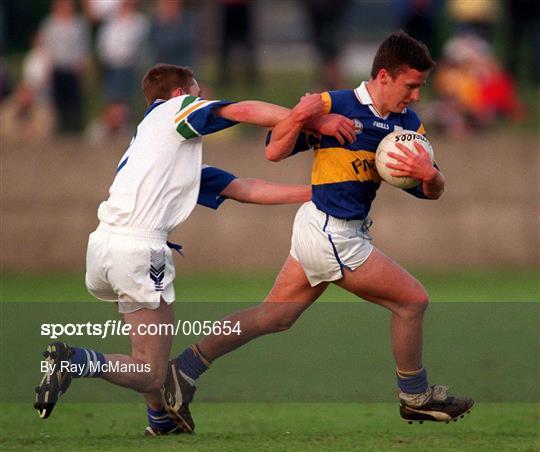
pixel 363 96
pixel 153 105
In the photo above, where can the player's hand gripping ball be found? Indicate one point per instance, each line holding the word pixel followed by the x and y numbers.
pixel 388 144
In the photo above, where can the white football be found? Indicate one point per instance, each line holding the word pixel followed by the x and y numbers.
pixel 388 144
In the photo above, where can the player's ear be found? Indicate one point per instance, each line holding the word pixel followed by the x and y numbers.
pixel 383 76
pixel 177 92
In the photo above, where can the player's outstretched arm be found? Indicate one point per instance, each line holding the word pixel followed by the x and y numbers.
pixel 257 191
pixel 418 166
pixel 286 132
pixel 253 112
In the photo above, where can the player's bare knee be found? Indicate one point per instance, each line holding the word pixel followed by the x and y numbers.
pixel 421 304
pixel 283 324
pixel 414 304
pixel 276 322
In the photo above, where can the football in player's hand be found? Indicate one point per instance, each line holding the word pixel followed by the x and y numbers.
pixel 388 144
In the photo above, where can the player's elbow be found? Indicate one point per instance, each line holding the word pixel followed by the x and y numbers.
pixel 273 154
pixel 438 194
pixel 435 194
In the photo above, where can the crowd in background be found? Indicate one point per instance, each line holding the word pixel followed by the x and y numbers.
pixel 114 38
pixel 118 39
pixel 472 88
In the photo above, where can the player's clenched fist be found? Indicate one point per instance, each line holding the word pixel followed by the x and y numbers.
pixel 310 106
pixel 334 125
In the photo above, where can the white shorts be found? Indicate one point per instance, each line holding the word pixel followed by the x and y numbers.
pixel 324 245
pixel 129 266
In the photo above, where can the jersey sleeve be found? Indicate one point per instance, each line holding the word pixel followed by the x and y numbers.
pixel 338 101
pixel 306 141
pixel 196 118
pixel 327 100
pixel 213 182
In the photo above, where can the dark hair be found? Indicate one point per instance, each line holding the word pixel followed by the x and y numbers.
pixel 398 51
pixel 160 80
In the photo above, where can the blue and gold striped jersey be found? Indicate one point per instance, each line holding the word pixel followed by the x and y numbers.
pixel 344 177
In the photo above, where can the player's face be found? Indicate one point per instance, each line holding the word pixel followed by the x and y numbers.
pixel 403 90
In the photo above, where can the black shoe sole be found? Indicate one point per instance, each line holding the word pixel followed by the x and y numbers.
pixel 180 415
pixel 54 384
pixel 431 419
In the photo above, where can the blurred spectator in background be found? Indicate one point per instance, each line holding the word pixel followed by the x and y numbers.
pixel 419 19
pixel 326 23
pixel 121 49
pixel 98 11
pixel 36 69
pixel 472 88
pixel 524 34
pixel 237 31
pixel 112 124
pixel 28 114
pixel 173 33
pixel 474 16
pixel 65 38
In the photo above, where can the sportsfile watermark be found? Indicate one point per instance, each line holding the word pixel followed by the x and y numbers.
pixel 118 328
pixel 465 344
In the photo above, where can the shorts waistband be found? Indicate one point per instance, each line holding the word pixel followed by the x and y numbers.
pixel 134 232
pixel 334 222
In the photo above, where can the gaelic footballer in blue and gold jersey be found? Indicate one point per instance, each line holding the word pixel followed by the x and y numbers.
pixel 330 241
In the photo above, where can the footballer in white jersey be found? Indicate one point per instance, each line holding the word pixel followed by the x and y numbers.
pixel 156 186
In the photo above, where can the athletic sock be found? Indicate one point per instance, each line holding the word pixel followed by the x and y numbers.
pixel 412 382
pixel 89 362
pixel 192 364
pixel 160 420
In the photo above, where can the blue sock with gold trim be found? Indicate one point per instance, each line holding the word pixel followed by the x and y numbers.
pixel 159 420
pixel 412 382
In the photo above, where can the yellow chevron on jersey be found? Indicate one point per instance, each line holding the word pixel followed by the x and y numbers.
pixel 183 113
pixel 333 165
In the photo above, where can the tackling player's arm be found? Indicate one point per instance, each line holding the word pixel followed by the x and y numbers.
pixel 285 133
pixel 218 185
pixel 253 112
pixel 418 166
pixel 264 114
pixel 257 191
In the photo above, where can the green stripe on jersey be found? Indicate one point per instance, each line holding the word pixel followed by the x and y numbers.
pixel 184 129
pixel 188 100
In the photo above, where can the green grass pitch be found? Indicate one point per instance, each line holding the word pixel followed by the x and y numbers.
pixel 305 425
pixel 272 427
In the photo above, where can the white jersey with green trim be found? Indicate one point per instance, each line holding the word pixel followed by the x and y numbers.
pixel 157 180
